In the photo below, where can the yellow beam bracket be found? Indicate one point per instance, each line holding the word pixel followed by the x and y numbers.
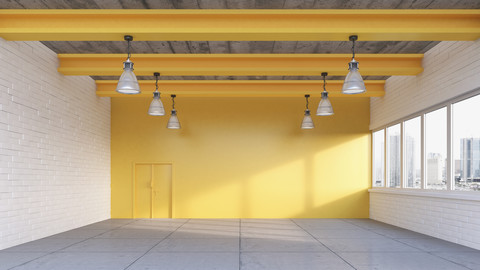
pixel 240 88
pixel 221 25
pixel 240 64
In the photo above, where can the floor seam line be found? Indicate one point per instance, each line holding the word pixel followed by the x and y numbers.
pixel 60 250
pixel 155 245
pixel 240 244
pixel 430 252
pixel 386 236
pixel 396 240
pixel 323 244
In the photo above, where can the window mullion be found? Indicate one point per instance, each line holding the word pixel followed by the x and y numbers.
pixel 423 180
pixel 449 167
pixel 402 155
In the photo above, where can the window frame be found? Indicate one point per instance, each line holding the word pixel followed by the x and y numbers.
pixel 404 149
pixel 446 147
pixel 449 166
pixel 387 154
pixel 374 161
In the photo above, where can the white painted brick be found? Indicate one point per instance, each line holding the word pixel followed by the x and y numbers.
pixel 54 147
pixel 454 223
pixel 450 69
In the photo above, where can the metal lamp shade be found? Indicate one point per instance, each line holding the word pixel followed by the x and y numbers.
pixel 307 122
pixel 128 84
pixel 325 107
pixel 353 82
pixel 173 122
pixel 156 106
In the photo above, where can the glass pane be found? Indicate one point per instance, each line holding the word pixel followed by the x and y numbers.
pixel 393 156
pixel 378 158
pixel 466 144
pixel 413 138
pixel 436 148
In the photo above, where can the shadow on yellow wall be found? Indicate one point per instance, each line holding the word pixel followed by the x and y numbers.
pixel 247 157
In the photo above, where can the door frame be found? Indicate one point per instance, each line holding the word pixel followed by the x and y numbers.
pixel 171 184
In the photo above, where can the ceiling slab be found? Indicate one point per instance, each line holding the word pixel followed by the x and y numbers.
pixel 239 25
pixel 241 88
pixel 240 64
pixel 244 4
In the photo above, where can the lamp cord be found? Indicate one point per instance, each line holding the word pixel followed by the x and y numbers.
pixel 353 49
pixel 156 83
pixel 307 103
pixel 324 84
pixel 128 49
pixel 173 103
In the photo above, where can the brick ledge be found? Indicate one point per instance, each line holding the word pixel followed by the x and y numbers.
pixel 454 195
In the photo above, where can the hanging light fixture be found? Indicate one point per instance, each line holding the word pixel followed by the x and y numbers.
pixel 353 82
pixel 156 106
pixel 173 122
pixel 307 122
pixel 128 84
pixel 324 107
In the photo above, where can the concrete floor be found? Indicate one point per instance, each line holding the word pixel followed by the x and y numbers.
pixel 240 244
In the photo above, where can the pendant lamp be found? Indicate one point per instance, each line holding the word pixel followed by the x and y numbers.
pixel 353 82
pixel 324 107
pixel 173 122
pixel 307 122
pixel 128 84
pixel 156 106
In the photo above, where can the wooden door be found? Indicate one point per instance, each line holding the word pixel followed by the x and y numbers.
pixel 153 190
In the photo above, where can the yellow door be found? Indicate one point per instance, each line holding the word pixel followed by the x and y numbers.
pixel 153 190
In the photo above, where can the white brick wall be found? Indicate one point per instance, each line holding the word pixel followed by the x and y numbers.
pixel 450 69
pixel 454 220
pixel 54 146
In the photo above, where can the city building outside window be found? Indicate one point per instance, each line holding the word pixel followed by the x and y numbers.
pixel 393 156
pixel 378 158
pixel 466 144
pixel 412 155
pixel 417 150
pixel 436 148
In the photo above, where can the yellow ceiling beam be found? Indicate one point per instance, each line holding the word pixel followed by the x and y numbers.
pixel 237 24
pixel 241 88
pixel 240 64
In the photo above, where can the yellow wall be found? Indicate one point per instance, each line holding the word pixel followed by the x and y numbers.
pixel 247 157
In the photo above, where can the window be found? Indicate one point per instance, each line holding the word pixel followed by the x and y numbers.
pixel 412 152
pixel 393 156
pixel 378 158
pixel 436 148
pixel 466 144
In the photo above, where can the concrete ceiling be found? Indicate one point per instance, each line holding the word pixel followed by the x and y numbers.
pixel 242 4
pixel 212 47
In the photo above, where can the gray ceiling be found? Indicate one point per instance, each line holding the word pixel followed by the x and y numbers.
pixel 243 4
pixel 239 46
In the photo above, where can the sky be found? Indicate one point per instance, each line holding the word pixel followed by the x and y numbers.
pixel 465 121
pixel 465 125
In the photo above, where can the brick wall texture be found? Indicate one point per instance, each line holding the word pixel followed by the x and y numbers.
pixel 54 146
pixel 450 69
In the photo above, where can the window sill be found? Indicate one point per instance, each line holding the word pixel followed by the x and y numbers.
pixel 454 195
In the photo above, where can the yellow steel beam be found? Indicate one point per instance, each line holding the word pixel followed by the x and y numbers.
pixel 240 88
pixel 237 24
pixel 240 64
